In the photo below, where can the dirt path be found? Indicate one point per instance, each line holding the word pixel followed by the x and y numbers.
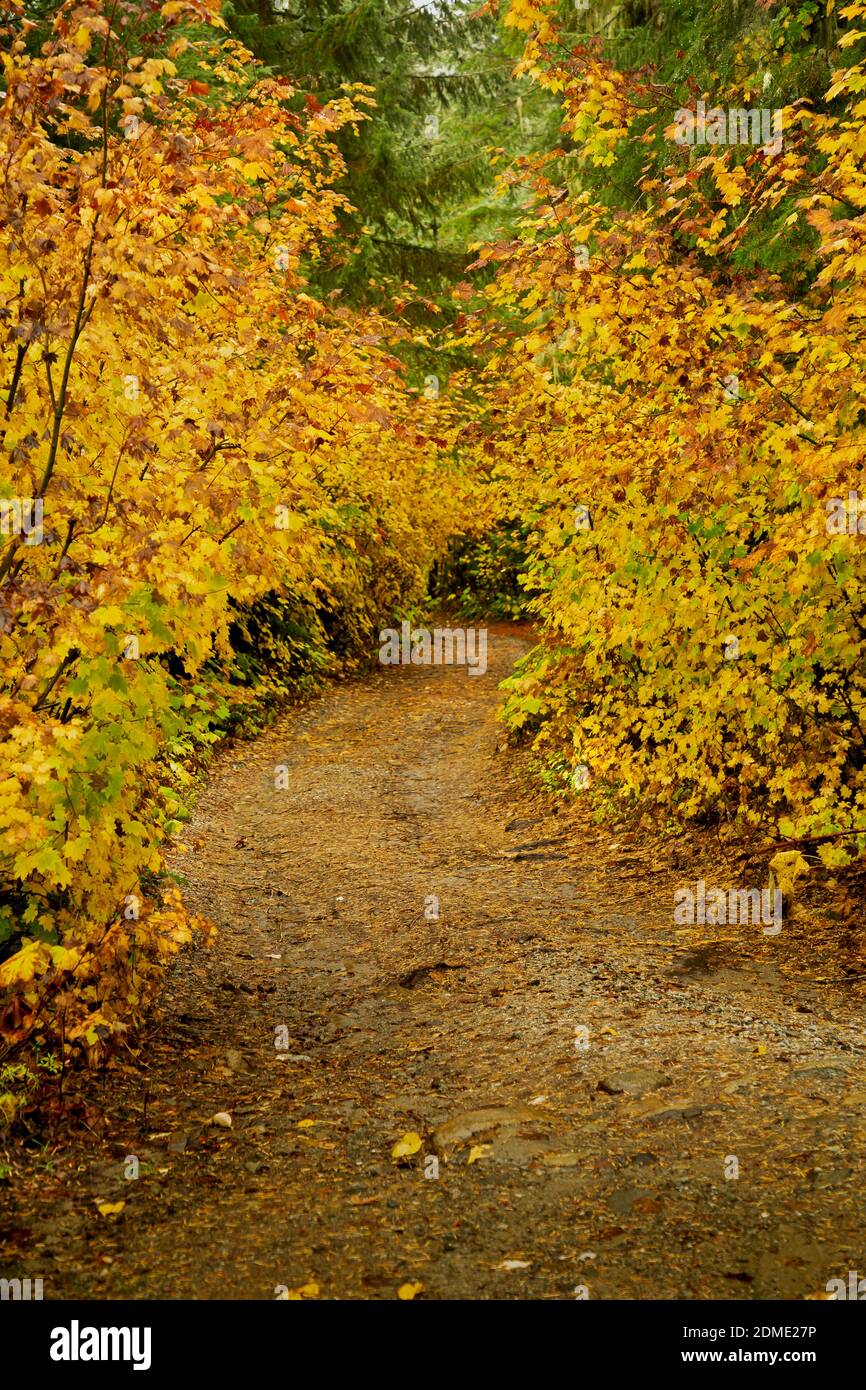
pixel 397 1022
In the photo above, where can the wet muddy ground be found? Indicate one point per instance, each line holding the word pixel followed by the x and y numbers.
pixel 608 1104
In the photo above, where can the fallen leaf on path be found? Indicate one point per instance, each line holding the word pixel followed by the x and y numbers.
pixel 298 1295
pixel 109 1208
pixel 478 1151
pixel 409 1291
pixel 409 1144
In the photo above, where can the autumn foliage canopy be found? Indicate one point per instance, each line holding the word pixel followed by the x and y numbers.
pixel 193 434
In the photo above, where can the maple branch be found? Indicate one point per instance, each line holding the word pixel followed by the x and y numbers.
pixel 71 656
pixel 230 531
pixel 16 378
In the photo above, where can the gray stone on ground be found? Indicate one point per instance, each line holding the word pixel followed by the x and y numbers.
pixel 633 1083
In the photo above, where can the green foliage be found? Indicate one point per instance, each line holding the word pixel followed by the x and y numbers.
pixel 481 575
pixel 439 75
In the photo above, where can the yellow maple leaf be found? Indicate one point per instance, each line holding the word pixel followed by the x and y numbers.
pixel 31 960
pixel 65 958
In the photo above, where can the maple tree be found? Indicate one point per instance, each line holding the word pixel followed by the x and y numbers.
pixel 676 436
pixel 199 435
